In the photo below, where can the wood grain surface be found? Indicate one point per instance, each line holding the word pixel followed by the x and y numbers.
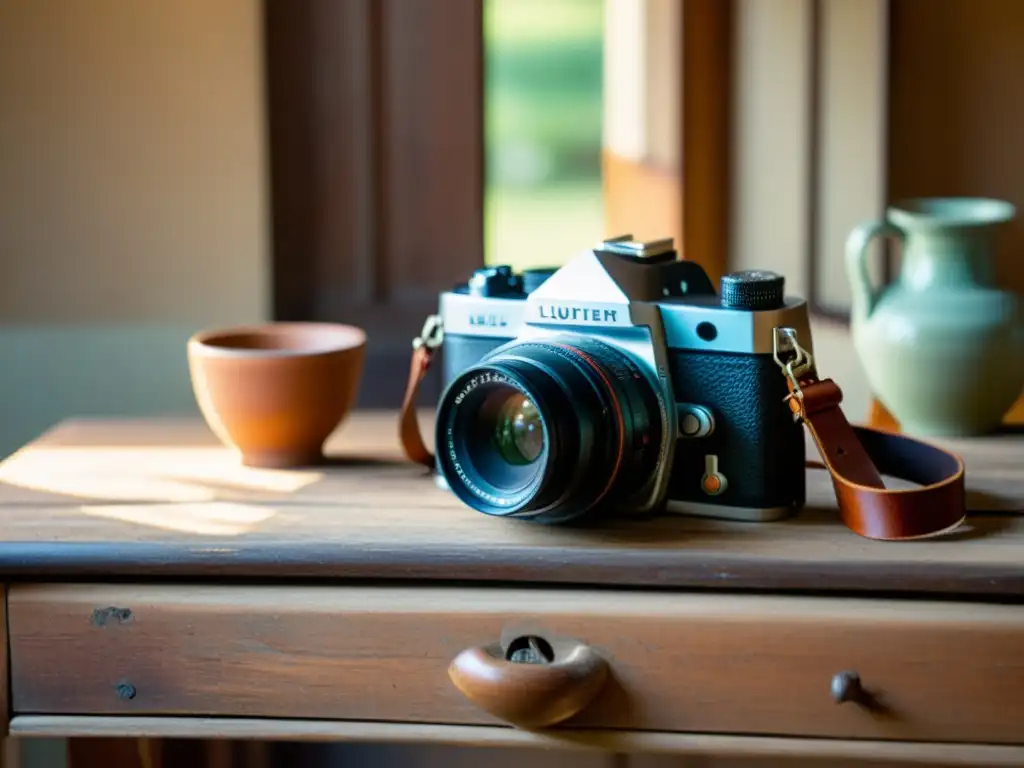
pixel 161 498
pixel 773 751
pixel 676 662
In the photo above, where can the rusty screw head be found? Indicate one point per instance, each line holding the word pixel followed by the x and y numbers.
pixel 125 691
pixel 529 650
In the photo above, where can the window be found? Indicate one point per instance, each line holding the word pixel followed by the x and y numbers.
pixel 543 102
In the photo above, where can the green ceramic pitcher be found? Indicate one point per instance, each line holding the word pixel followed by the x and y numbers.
pixel 942 345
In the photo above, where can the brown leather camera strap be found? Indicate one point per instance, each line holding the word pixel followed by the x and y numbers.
pixel 423 348
pixel 855 457
pixel 408 425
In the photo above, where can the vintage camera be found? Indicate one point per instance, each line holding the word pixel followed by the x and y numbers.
pixel 621 383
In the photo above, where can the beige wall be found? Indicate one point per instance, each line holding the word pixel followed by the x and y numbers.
pixel 132 205
pixel 771 168
pixel 132 196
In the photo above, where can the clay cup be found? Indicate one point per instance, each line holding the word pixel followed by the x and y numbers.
pixel 276 391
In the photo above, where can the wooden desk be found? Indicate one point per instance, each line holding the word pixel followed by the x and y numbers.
pixel 157 589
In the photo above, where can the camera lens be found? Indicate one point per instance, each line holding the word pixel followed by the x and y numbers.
pixel 550 430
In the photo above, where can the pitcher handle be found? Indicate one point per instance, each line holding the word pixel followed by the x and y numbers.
pixel 864 293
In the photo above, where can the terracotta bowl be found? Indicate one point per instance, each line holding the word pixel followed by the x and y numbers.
pixel 276 391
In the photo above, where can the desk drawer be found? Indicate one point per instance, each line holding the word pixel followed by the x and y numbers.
pixel 675 662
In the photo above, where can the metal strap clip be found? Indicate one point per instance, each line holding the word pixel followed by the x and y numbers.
pixel 799 359
pixel 432 334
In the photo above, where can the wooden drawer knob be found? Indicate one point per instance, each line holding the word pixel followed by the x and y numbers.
pixel 530 683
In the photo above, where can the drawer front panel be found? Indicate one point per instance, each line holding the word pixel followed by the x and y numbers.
pixel 699 663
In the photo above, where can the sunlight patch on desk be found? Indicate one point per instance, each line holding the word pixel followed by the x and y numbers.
pixel 205 519
pixel 191 474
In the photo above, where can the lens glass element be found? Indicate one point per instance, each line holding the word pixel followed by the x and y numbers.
pixel 518 431
pixel 500 437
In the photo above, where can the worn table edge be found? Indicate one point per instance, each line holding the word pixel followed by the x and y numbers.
pixel 575 568
pixel 499 736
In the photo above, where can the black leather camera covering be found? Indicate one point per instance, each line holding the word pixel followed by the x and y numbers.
pixel 760 448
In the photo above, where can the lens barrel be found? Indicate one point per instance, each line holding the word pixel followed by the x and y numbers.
pixel 550 430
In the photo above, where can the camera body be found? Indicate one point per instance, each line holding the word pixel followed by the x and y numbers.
pixel 693 394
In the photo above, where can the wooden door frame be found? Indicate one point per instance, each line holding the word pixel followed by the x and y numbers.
pixel 666 159
pixel 375 115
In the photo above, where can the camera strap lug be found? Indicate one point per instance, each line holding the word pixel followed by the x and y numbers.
pixel 798 361
pixel 432 334
pixel 858 457
pixel 423 348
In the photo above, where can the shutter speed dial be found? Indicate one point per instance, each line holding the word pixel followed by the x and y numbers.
pixel 753 289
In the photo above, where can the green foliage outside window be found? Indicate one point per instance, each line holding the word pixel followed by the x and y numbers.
pixel 543 103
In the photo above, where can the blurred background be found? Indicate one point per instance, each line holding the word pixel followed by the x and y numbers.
pixel 176 166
